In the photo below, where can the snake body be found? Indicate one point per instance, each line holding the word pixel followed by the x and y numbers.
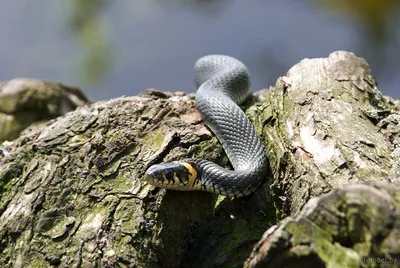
pixel 223 83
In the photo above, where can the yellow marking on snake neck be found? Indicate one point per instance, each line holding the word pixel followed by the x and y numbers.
pixel 192 172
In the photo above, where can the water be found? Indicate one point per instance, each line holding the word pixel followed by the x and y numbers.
pixel 119 48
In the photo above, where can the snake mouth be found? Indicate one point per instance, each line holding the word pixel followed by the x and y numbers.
pixel 173 175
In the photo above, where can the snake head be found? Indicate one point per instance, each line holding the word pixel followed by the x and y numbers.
pixel 178 175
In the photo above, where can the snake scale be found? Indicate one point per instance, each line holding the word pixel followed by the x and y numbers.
pixel 223 83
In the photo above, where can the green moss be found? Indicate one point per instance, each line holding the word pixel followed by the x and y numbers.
pixel 220 198
pixel 77 141
pixel 112 168
pixel 60 227
pixel 210 150
pixel 241 232
pixel 9 173
pixel 155 138
pixel 320 242
pixel 335 255
pixel 37 262
pixel 5 181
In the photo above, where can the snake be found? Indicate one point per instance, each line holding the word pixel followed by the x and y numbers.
pixel 223 83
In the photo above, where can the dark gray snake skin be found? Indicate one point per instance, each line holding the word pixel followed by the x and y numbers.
pixel 223 83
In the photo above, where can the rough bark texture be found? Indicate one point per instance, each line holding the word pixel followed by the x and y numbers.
pixel 351 227
pixel 72 194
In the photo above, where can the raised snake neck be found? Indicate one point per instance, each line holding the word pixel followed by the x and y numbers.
pixel 223 83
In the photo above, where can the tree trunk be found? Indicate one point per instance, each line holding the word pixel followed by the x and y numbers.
pixel 28 102
pixel 72 192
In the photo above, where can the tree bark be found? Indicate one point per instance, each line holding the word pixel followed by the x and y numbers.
pixel 72 192
pixel 28 102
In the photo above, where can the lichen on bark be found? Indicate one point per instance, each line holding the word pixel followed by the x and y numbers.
pixel 72 192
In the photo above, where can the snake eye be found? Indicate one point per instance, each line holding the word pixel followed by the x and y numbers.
pixel 169 175
pixel 172 175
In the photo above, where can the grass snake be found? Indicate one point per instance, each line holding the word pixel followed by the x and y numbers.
pixel 223 83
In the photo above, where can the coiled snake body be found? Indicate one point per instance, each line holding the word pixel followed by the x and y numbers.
pixel 223 83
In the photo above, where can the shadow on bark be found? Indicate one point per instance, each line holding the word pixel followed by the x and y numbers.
pixel 72 192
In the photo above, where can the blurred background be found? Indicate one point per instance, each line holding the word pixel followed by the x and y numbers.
pixel 114 48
